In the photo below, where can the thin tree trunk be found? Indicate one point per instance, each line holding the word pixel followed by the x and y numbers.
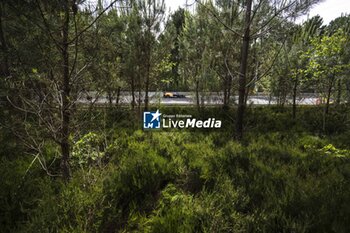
pixel 339 92
pixel 329 96
pixel 295 88
pixel 133 92
pixel 225 93
pixel 347 84
pixel 65 147
pixel 148 69
pixel 118 96
pixel 139 95
pixel 197 96
pixel 4 65
pixel 324 120
pixel 229 86
pixel 147 85
pixel 243 71
pixel 326 111
pixel 110 98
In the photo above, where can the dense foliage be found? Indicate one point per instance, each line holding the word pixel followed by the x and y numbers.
pixel 281 178
pixel 76 75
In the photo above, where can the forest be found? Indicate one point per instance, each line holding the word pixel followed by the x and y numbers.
pixel 78 76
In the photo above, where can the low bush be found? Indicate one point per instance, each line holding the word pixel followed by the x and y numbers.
pixel 280 178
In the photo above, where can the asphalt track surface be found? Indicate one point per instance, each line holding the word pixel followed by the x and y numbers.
pixel 207 99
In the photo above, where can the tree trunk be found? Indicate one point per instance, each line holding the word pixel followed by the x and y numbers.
pixel 243 71
pixel 148 69
pixel 4 65
pixel 347 84
pixel 225 93
pixel 65 147
pixel 110 98
pixel 147 85
pixel 339 91
pixel 295 88
pixel 139 95
pixel 197 96
pixel 229 90
pixel 329 96
pixel 326 111
pixel 133 92
pixel 118 96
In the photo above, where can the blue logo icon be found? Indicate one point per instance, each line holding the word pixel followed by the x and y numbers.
pixel 151 120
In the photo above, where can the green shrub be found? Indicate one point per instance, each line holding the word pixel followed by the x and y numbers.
pixel 21 188
pixel 135 184
pixel 76 207
pixel 175 212
pixel 88 150
pixel 280 178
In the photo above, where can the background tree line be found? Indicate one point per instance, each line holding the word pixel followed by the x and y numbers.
pixel 54 53
pixel 68 165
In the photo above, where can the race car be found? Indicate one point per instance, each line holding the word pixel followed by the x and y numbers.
pixel 173 95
